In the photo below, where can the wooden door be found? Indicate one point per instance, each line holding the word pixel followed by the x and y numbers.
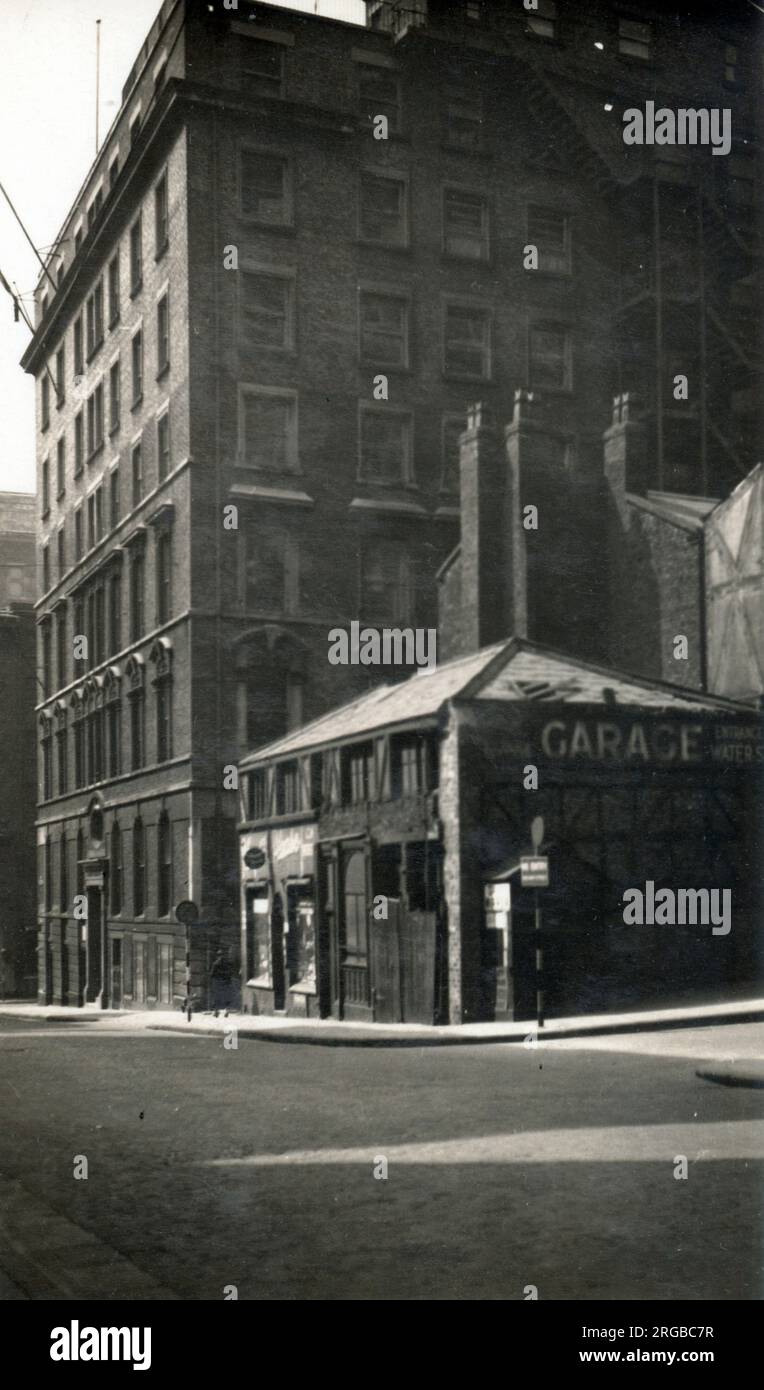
pixel 386 965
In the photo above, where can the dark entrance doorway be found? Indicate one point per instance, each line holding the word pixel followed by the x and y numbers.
pixel 277 953
pixel 94 960
pixel 116 972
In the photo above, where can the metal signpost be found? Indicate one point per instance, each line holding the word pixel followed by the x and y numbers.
pixel 534 873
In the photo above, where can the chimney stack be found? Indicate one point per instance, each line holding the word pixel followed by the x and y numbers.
pixel 492 549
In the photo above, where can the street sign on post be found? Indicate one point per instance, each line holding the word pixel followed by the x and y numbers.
pixel 254 858
pixel 534 871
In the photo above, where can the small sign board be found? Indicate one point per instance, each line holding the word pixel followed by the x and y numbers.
pixel 254 858
pixel 187 912
pixel 497 897
pixel 534 871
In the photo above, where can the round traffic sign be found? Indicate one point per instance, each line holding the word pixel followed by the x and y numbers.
pixel 187 912
pixel 254 858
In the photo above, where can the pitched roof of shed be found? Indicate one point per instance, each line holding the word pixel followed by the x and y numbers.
pixel 515 670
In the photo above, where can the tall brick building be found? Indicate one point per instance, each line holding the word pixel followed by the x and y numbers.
pixel 223 473
pixel 18 789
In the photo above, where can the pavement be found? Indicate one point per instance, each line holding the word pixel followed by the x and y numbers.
pixel 333 1033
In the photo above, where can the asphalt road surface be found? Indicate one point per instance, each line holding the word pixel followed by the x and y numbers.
pixel 507 1167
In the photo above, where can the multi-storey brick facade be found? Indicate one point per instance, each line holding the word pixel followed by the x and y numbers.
pixel 18 697
pixel 255 344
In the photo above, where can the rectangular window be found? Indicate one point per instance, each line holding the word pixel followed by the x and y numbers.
pixel 382 210
pixel 61 550
pixel 137 586
pixel 385 584
pixel 730 62
pixel 135 127
pixel 113 290
pixel 79 443
pixel 114 395
pixel 136 256
pixel 164 576
pixel 164 721
pixel 137 473
pixel 45 486
pixel 95 420
pixel 61 649
pixel 163 334
pixel 634 38
pixel 271 570
pixel 384 330
pixel 137 365
pixel 268 431
pixel 113 171
pixel 78 536
pixel 60 376
pixel 263 67
pixel 163 445
pixel 549 232
pixel 137 731
pixel 463 121
pixel 265 188
pixel 408 766
pixel 161 218
pixel 91 521
pixel 385 446
pixel 465 224
pixel 467 341
pixel 115 612
pixel 45 569
pixel 45 400
pixel 287 789
pixel 79 354
pixel 360 774
pixel 95 207
pixel 94 319
pixel 267 309
pixel 379 95
pixel 550 359
pixel 542 21
pixel 99 512
pixel 61 467
pixel 114 498
pixel 257 796
pixel 165 969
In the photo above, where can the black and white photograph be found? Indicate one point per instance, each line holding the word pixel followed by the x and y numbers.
pixel 381 668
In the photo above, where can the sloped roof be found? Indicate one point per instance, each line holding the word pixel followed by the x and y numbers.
pixel 422 695
pixel 515 670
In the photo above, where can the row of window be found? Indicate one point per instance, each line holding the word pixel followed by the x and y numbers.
pixel 83 744
pixel 118 901
pixel 413 770
pixel 97 613
pixel 104 303
pixel 90 422
pixel 102 509
pixel 268 416
pixel 634 38
pixel 268 319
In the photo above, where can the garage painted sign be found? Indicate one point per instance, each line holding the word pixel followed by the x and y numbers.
pixel 656 741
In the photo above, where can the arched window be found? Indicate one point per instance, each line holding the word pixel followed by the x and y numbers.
pixel 136 695
pixel 78 724
pixel 61 748
pixel 139 868
pixel 115 869
pixel 113 713
pixel 164 864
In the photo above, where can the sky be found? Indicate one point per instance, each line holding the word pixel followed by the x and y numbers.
pixel 47 144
